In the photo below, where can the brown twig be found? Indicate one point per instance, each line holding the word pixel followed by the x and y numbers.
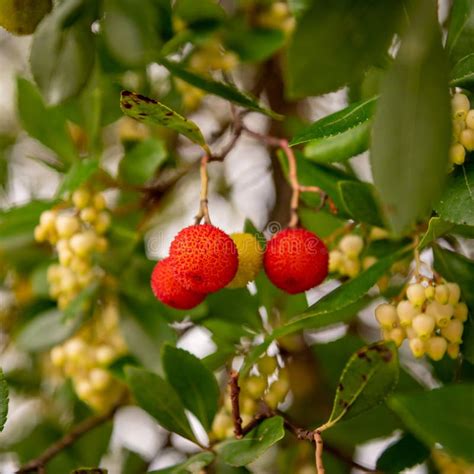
pixel 203 201
pixel 234 398
pixel 38 465
pixel 318 440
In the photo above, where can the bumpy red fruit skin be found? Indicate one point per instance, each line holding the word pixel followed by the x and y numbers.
pixel 296 260
pixel 169 291
pixel 204 258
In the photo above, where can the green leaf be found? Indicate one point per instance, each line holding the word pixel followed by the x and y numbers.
pixel 460 40
pixel 194 383
pixel 195 463
pixel 3 400
pixel 46 124
pixel 221 89
pixel 340 135
pixel 62 53
pixel 82 304
pixel 411 133
pixel 151 111
pixel 46 330
pixel 457 268
pixel 440 416
pixel 437 227
pixel 462 73
pixel 369 376
pixel 254 444
pixel 141 162
pixel 403 454
pixel 457 202
pixel 362 202
pixel 130 33
pixel 157 397
pixel 78 174
pixel 359 34
pixel 206 13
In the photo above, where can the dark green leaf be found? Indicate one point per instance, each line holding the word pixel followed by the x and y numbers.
pixel 368 378
pixel 254 444
pixel 221 89
pixel 457 202
pixel 157 397
pixel 436 228
pixel 3 400
pixel 194 464
pixel 206 13
pixel 441 416
pixel 462 73
pixel 194 383
pixel 411 133
pixel 141 162
pixel 77 175
pixel 46 124
pixel 131 33
pixel 62 53
pixel 151 111
pixel 460 40
pixel 403 454
pixel 361 201
pixel 46 330
pixel 335 42
pixel 82 304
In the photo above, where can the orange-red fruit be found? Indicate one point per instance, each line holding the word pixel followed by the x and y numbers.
pixel 204 258
pixel 169 291
pixel 296 260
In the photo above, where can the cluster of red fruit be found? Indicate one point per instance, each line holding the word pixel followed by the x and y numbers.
pixel 204 259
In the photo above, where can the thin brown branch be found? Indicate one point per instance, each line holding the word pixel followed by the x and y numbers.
pixel 38 465
pixel 234 398
pixel 203 201
pixel 318 440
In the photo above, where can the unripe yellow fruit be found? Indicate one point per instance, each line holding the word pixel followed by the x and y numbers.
pixel 417 347
pixel 442 294
pixel 250 259
pixel 442 313
pixel 88 214
pixel 84 389
pixel 267 365
pixel 377 233
pixel 460 105
pixel 255 386
pixel 470 119
pixel 58 356
pixel 248 405
pixel 99 202
pixel 397 335
pixel 75 348
pixel 81 198
pixel 453 331
pixel 386 315
pixel 335 260
pixel 102 222
pixel 48 219
pixel 453 350
pixel 40 233
pixel 410 332
pixel 105 355
pixel 424 325
pixel 416 294
pixel 457 153
pixel 461 312
pixel 82 244
pixel 66 226
pixel 99 379
pixel 466 138
pixel 350 266
pixel 436 347
pixel 454 293
pixel 430 292
pixel 351 245
pixel 221 424
pixel 368 261
pixel 406 312
pixel 21 17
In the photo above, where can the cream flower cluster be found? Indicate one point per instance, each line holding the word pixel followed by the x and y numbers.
pixel 463 129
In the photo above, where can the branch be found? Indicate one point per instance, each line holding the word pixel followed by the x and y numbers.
pixel 203 201
pixel 234 398
pixel 38 464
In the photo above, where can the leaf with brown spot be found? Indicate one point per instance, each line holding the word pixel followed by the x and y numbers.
pixel 368 378
pixel 153 112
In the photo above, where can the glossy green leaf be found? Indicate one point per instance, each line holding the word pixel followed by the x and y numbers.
pixel 193 382
pixel 362 202
pixel 62 53
pixel 221 89
pixel 3 400
pixel 441 416
pixel 457 268
pixel 460 40
pixel 77 175
pixel 194 464
pixel 151 111
pixel 46 124
pixel 411 132
pixel 157 397
pixel 462 73
pixel 202 14
pixel 437 227
pixel 46 330
pixel 82 304
pixel 403 454
pixel 359 34
pixel 140 164
pixel 457 202
pixel 130 33
pixel 244 451
pixel 368 378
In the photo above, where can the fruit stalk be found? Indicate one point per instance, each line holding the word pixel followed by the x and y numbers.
pixel 203 200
